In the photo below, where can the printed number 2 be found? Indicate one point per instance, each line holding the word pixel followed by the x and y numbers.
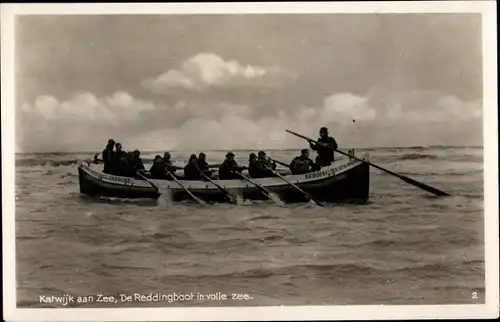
pixel 474 295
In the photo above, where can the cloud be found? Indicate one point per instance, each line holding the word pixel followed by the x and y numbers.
pixel 48 124
pixel 207 71
pixel 382 118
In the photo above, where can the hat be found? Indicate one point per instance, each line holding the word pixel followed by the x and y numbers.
pixel 230 154
pixel 324 129
pixel 111 141
pixel 166 154
pixel 201 154
pixel 252 155
pixel 304 151
pixel 157 157
pixel 261 153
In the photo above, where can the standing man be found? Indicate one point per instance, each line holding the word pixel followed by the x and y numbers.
pixel 325 154
pixel 107 156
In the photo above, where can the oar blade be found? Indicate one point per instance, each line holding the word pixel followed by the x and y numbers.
pixel 423 186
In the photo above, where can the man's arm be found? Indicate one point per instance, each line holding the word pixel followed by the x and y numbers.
pixel 332 143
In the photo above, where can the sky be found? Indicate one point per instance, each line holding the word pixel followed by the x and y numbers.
pixel 205 82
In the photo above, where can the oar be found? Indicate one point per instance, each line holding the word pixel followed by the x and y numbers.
pixel 261 188
pixel 186 189
pixel 413 182
pixel 296 187
pixel 280 163
pixel 149 181
pixel 228 194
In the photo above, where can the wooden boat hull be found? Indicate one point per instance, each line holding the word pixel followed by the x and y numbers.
pixel 344 180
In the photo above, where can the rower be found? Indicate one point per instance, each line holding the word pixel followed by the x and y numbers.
pixel 136 162
pixel 253 166
pixel 264 162
pixel 260 167
pixel 191 169
pixel 203 166
pixel 169 166
pixel 325 154
pixel 157 170
pixel 107 156
pixel 229 168
pixel 302 164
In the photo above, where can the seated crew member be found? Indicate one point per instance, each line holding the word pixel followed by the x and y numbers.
pixel 191 171
pixel 169 166
pixel 157 170
pixel 265 162
pixel 107 156
pixel 203 165
pixel 254 169
pixel 302 164
pixel 136 164
pixel 267 165
pixel 325 154
pixel 229 168
pixel 259 168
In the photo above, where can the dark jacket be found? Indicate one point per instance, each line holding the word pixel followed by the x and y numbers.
pixel 203 165
pixel 301 165
pixel 107 158
pixel 259 170
pixel 191 172
pixel 137 165
pixel 266 163
pixel 255 170
pixel 158 169
pixel 227 168
pixel 120 165
pixel 326 154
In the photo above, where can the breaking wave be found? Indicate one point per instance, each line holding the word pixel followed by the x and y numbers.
pixel 413 156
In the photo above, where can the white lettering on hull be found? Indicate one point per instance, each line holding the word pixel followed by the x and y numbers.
pixel 329 172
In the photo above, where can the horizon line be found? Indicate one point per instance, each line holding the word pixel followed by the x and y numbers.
pixel 258 149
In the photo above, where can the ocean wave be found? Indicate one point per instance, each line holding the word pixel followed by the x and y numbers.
pixel 294 270
pixel 409 173
pixel 414 156
pixel 45 162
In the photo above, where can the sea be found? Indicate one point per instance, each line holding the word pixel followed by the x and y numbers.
pixel 404 246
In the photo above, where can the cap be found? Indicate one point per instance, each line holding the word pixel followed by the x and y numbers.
pixel 262 153
pixel 252 155
pixel 230 154
pixel 304 151
pixel 111 141
pixel 201 154
pixel 324 129
pixel 166 154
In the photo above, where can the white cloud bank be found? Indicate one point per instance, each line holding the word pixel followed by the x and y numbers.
pixel 85 122
pixel 206 71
